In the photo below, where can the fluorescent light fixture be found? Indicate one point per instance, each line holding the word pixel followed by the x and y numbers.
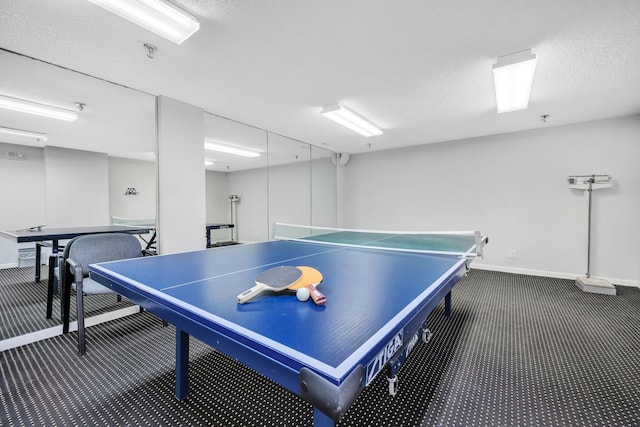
pixel 208 163
pixel 24 106
pixel 513 77
pixel 158 16
pixel 214 145
pixel 349 119
pixel 27 134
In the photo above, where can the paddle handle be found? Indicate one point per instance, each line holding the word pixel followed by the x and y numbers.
pixel 317 296
pixel 250 293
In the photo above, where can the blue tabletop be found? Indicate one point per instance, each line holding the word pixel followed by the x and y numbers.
pixel 369 292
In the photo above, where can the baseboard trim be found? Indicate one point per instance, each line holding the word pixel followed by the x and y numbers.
pixel 554 274
pixel 54 331
pixel 8 265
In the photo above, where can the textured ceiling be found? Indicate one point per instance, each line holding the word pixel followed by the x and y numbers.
pixel 420 69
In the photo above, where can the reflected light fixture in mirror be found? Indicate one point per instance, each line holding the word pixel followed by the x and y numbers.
pixel 214 145
pixel 25 133
pixel 30 107
pixel 158 16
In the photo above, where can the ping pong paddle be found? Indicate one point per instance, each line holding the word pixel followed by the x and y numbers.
pixel 274 279
pixel 311 278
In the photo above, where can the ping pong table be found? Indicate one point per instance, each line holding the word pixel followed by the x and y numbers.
pixel 380 288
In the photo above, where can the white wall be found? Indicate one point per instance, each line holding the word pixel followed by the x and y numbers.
pixel 514 189
pixel 21 187
pixel 141 175
pixel 22 194
pixel 126 173
pixel 290 194
pixel 76 188
pixel 251 186
pixel 217 199
pixel 218 208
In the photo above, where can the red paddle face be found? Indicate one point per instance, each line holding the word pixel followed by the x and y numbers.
pixel 311 278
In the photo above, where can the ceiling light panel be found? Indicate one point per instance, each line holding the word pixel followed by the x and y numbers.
pixel 30 107
pixel 158 16
pixel 513 78
pixel 350 120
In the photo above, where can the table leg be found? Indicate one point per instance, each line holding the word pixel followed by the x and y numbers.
pixel 39 245
pixel 182 364
pixel 320 419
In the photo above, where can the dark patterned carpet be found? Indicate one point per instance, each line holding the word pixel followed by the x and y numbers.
pixel 24 303
pixel 517 351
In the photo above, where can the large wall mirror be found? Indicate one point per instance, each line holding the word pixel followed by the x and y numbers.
pixel 81 174
pixel 289 181
pixel 236 182
pixel 78 176
pixel 285 180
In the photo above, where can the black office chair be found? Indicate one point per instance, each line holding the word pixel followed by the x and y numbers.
pixel 91 249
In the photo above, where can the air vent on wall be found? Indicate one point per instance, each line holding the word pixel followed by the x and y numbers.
pixel 16 155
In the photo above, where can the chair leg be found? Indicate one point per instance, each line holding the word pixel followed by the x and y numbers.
pixel 50 299
pixel 64 287
pixel 38 256
pixel 80 302
pixel 52 274
pixel 52 285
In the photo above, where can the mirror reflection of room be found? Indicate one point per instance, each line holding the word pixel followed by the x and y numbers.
pixel 100 170
pixel 94 165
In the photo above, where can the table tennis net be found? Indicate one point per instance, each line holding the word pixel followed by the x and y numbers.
pixel 133 222
pixel 457 243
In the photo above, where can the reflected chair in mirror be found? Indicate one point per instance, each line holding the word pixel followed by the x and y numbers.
pixel 91 249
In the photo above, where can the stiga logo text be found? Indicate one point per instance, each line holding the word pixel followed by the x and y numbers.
pixel 383 357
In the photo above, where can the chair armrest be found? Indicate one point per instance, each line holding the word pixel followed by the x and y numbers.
pixel 76 270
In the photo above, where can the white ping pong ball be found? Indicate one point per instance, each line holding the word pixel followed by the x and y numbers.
pixel 302 294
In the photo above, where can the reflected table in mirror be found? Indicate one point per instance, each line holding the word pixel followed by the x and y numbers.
pixel 218 226
pixel 55 235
